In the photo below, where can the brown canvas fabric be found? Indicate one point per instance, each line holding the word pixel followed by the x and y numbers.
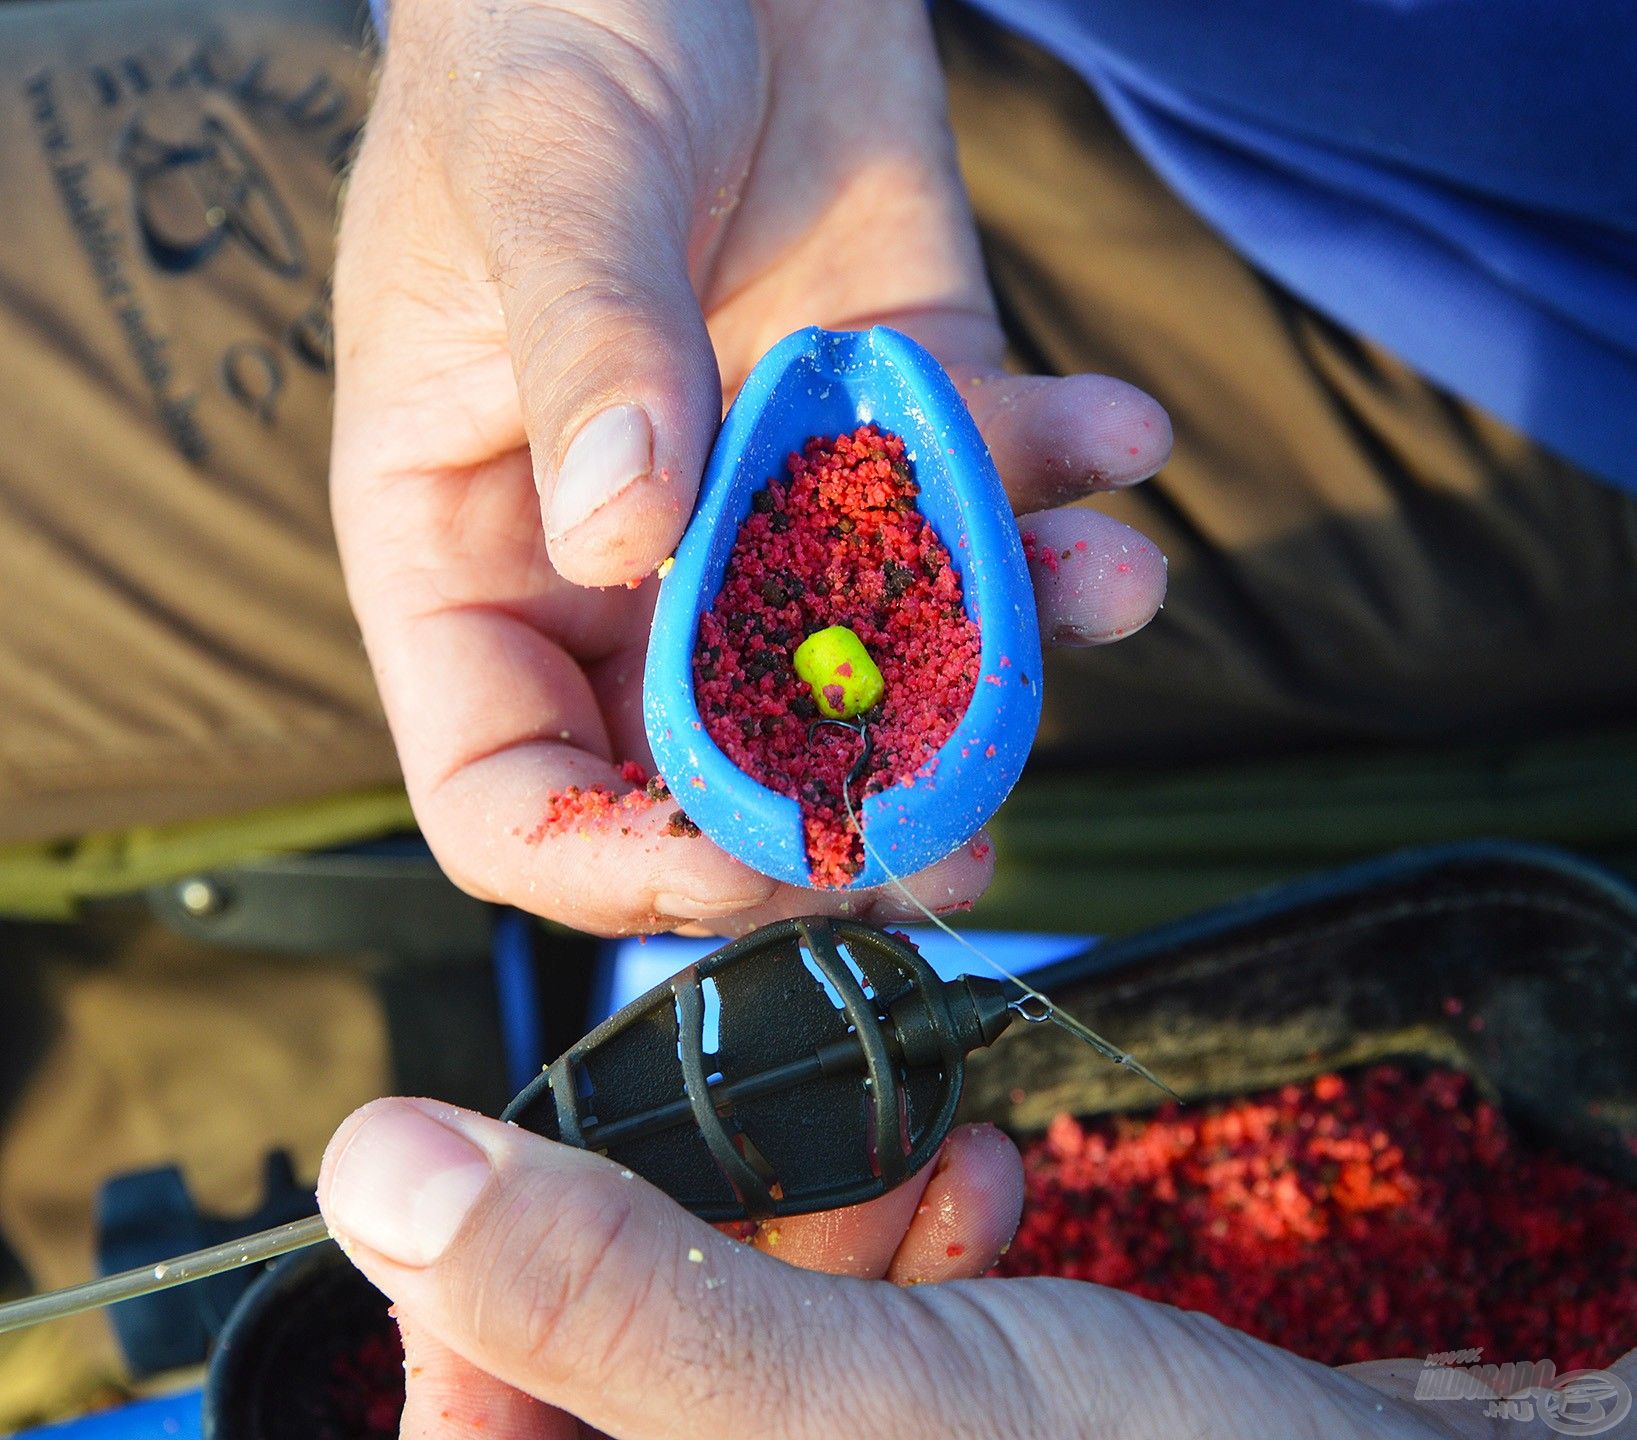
pixel 174 639
pixel 1356 557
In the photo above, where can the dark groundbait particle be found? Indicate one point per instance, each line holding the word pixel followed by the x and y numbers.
pixel 680 827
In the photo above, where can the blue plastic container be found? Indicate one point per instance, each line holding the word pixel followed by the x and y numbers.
pixel 823 383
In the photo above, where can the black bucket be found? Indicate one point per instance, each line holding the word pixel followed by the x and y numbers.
pixel 308 1353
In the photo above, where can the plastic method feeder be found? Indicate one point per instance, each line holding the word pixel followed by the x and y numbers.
pixel 826 383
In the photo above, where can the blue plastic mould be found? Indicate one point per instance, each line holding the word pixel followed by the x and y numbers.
pixel 823 382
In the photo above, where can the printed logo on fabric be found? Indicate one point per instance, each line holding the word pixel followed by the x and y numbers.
pixel 171 161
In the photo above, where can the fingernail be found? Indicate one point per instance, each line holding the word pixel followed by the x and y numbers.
pixel 612 450
pixel 1075 635
pixel 403 1183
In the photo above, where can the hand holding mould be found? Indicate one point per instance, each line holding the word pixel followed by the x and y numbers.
pixel 568 236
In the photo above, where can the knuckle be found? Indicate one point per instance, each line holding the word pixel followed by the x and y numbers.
pixel 579 1304
pixel 545 118
pixel 586 305
pixel 563 1281
pixel 1019 1381
pixel 577 337
pixel 717 1350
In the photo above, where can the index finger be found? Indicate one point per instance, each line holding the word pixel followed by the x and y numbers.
pixel 508 767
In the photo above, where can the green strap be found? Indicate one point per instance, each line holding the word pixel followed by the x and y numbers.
pixel 47 881
pixel 1112 853
pixel 1105 852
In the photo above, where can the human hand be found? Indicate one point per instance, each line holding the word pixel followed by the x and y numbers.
pixel 547 1294
pixel 570 232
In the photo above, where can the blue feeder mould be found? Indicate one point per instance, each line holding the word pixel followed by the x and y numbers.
pixel 823 383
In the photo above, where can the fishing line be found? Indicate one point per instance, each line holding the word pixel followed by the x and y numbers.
pixel 1035 1008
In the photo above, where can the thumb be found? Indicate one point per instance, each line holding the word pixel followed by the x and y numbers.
pixel 619 392
pixel 576 1282
pixel 579 173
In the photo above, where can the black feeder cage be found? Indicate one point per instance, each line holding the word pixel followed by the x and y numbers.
pixel 836 1068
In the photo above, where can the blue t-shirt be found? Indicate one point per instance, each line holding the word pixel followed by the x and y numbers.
pixel 1454 179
